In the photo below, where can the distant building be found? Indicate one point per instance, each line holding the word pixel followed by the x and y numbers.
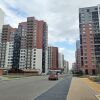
pixel 89 24
pixel 61 60
pixel 66 66
pixel 52 57
pixel 74 68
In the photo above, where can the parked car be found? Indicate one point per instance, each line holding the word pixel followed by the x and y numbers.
pixel 53 76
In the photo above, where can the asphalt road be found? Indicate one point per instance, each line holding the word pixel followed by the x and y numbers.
pixel 29 88
pixel 57 92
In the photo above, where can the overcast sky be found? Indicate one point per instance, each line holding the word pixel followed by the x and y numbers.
pixel 60 15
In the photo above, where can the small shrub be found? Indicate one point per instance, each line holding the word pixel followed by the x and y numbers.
pixel 95 78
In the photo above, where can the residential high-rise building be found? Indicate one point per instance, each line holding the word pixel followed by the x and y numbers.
pixel 61 60
pixel 78 55
pixel 19 52
pixel 89 24
pixel 7 43
pixel 22 60
pixel 37 44
pixel 52 57
pixel 30 45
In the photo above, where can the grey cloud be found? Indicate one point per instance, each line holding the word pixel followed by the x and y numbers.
pixel 61 16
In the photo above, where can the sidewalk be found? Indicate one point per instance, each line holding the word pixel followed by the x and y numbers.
pixel 79 90
pixel 3 78
pixel 91 84
pixel 7 78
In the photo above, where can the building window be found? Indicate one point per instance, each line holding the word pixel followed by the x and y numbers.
pixel 90 32
pixel 33 64
pixel 85 54
pixel 83 25
pixel 34 49
pixel 95 8
pixel 34 55
pixel 90 28
pixel 88 10
pixel 85 62
pixel 83 32
pixel 85 58
pixel 86 66
pixel 34 59
pixel 90 25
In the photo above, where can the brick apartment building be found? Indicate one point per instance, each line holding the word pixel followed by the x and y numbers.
pixel 29 43
pixel 89 24
pixel 52 57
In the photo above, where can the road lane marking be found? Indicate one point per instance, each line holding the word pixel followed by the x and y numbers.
pixel 98 96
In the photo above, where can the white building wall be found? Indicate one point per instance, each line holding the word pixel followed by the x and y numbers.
pixel 6 56
pixel 37 59
pixel 9 54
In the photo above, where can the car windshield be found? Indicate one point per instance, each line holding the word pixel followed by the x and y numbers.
pixel 53 72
